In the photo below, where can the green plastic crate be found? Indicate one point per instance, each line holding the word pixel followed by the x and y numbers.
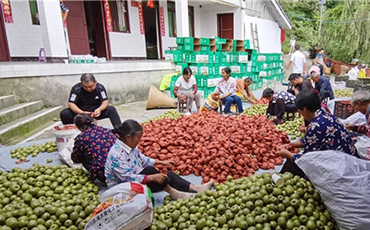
pixel 180 40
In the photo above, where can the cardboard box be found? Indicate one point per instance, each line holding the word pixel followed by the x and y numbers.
pixel 179 40
pixel 235 68
pixel 180 67
pixel 194 69
pixel 206 69
pixel 192 41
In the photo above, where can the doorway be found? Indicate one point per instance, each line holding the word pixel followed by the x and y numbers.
pixel 86 28
pixel 151 21
pixel 96 29
pixel 225 25
pixel 4 51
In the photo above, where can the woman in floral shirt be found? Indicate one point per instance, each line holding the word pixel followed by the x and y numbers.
pixel 227 90
pixel 126 163
pixel 91 146
pixel 325 132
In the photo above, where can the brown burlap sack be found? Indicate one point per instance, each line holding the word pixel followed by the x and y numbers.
pixel 157 99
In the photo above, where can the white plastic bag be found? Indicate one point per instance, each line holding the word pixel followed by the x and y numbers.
pixel 353 73
pixel 343 182
pixel 65 153
pixel 125 206
pixel 363 147
pixel 356 119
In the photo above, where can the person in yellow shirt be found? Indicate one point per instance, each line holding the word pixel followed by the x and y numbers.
pixel 242 87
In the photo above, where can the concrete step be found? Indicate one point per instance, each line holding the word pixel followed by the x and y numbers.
pixel 19 110
pixel 24 125
pixel 6 101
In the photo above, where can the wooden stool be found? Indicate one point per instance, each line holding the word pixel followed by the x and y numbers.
pixel 182 106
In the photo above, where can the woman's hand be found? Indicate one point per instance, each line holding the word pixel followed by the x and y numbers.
pixel 157 178
pixel 285 154
pixel 284 146
pixel 168 164
pixel 350 127
pixel 192 95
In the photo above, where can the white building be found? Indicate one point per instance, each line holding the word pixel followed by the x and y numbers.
pixel 138 29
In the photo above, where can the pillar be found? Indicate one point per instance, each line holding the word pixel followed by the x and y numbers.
pixel 182 18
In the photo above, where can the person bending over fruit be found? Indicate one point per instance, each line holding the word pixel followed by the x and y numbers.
pixel 126 163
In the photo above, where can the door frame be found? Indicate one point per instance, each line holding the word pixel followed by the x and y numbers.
pixel 106 33
pixel 219 26
pixel 159 32
pixel 4 37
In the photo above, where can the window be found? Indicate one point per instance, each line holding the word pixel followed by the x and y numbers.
pixel 191 21
pixel 171 18
pixel 119 12
pixel 34 12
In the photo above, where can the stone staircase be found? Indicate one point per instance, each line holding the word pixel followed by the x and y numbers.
pixel 19 121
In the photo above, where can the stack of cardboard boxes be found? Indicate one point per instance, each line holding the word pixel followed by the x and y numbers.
pixel 208 56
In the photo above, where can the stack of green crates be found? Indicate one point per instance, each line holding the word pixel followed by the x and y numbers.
pixel 206 57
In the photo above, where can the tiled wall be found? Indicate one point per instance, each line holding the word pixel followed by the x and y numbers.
pixel 24 39
pixel 11 70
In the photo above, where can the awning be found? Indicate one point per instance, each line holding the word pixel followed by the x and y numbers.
pixel 278 14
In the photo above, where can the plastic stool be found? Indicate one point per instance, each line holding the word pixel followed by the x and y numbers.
pixel 182 106
pixel 42 55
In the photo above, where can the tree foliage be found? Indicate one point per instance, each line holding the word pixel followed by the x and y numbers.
pixel 342 41
pixel 345 41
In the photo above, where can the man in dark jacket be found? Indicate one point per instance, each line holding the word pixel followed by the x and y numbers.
pixel 299 83
pixel 322 84
pixel 89 97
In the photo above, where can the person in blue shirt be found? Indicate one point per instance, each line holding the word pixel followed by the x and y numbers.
pixel 322 84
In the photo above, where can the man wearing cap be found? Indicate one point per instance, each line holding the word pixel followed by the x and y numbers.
pixel 322 84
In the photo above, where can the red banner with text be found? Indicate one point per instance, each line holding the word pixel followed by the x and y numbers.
pixel 141 18
pixel 163 28
pixel 7 11
pixel 108 16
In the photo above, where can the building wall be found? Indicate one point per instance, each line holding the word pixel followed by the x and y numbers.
pixel 167 41
pixel 125 81
pixel 129 44
pixel 197 20
pixel 24 39
pixel 268 34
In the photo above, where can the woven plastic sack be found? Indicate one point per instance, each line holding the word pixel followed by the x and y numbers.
pixel 363 147
pixel 343 182
pixel 356 119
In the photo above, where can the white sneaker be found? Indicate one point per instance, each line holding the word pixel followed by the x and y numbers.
pixel 187 114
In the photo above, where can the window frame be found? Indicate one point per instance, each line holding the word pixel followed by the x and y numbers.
pixel 191 25
pixel 173 12
pixel 34 17
pixel 115 19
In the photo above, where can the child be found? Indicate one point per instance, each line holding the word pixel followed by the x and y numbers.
pixel 212 103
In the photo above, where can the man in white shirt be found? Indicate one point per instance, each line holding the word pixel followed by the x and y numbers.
pixel 299 61
pixel 292 45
